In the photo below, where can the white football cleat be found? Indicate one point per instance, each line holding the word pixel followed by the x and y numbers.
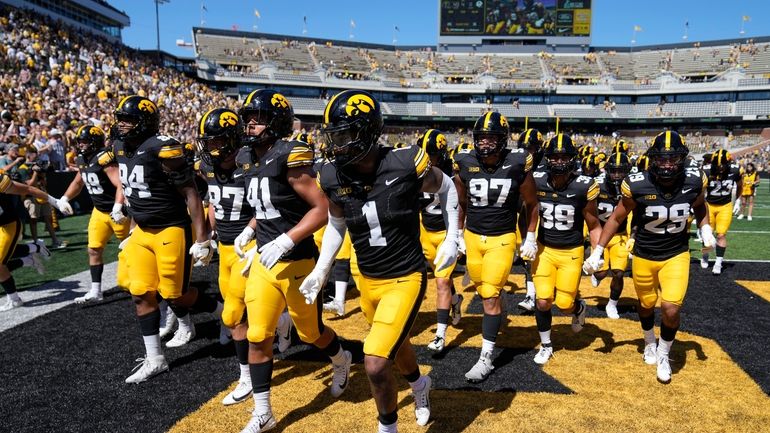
pixel 664 369
pixel 456 310
pixel 422 403
pixel 335 307
pixel 543 355
pixel 89 297
pixel 528 304
pixel 147 368
pixel 704 262
pixel 11 303
pixel 240 394
pixel 740 217
pixel 181 337
pixel 44 252
pixel 650 355
pixel 717 270
pixel 437 345
pixel 167 323
pixel 578 320
pixel 283 331
pixel 749 218
pixel 612 311
pixel 260 423
pixel 481 370
pixel 340 375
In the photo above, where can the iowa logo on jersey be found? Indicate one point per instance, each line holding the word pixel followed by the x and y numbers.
pixel 279 101
pixel 358 104
pixel 228 119
pixel 147 105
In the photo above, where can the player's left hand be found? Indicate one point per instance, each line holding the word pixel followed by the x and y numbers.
pixel 117 214
pixel 248 257
pixel 528 250
pixel 446 254
pixel 201 251
pixel 271 252
pixel 595 261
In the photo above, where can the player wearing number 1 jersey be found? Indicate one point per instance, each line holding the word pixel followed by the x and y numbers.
pixel 567 200
pixel 158 185
pixel 724 176
pixel 661 199
pixel 374 192
pixel 489 180
pixel 98 172
pixel 288 208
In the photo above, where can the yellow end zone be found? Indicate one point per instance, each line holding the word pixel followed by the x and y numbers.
pixel 760 288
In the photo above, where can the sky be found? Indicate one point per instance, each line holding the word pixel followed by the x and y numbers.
pixel 662 21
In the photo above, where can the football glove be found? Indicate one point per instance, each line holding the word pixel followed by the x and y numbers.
pixel 446 254
pixel 707 235
pixel 595 261
pixel 312 284
pixel 271 252
pixel 117 214
pixel 460 241
pixel 737 206
pixel 63 204
pixel 201 251
pixel 528 249
pixel 630 245
pixel 248 257
pixel 242 240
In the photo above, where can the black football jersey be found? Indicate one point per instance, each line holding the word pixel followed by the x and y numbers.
pixel 430 205
pixel 227 199
pixel 561 211
pixel 492 193
pixel 8 202
pixel 661 217
pixel 720 188
pixel 382 211
pixel 277 207
pixel 153 201
pixel 609 196
pixel 98 184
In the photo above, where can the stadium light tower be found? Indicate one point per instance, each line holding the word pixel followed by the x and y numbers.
pixel 157 23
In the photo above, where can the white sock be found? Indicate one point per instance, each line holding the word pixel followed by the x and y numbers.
pixel 531 289
pixel 339 357
pixel 152 344
pixel 649 336
pixel 612 302
pixel 391 428
pixel 340 288
pixel 718 261
pixel 545 337
pixel 218 311
pixel 96 287
pixel 487 346
pixel 262 402
pixel 664 347
pixel 34 247
pixel 185 323
pixel 245 373
pixel 419 384
pixel 441 330
pixel 27 261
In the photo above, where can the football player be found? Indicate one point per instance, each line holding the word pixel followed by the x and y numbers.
pixel 661 199
pixel 616 254
pixel 750 183
pixel 10 232
pixel 159 188
pixel 567 201
pixel 589 166
pixel 724 176
pixel 374 191
pixel 489 180
pixel 98 173
pixel 219 139
pixel 532 141
pixel 432 234
pixel 289 207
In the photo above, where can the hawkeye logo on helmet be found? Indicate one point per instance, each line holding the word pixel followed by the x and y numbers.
pixel 279 101
pixel 227 119
pixel 147 105
pixel 95 131
pixel 503 121
pixel 441 141
pixel 358 104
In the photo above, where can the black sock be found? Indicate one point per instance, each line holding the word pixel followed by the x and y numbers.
pixel 333 348
pixel 204 303
pixel 647 322
pixel 242 351
pixel 342 270
pixel 96 273
pixel 490 326
pixel 14 264
pixel 388 418
pixel 667 333
pixel 149 323
pixel 9 285
pixel 543 319
pixel 413 376
pixel 23 250
pixel 179 311
pixel 442 316
pixel 261 375
pixel 720 251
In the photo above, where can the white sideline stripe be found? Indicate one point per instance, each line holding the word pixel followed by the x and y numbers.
pixel 747 261
pixel 51 296
pixel 760 232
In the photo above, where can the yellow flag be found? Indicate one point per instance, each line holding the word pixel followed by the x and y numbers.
pixel 638 28
pixel 746 18
pixel 256 14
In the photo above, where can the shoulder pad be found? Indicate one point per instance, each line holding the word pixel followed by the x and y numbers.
pixel 327 176
pixel 105 157
pixel 411 158
pixel 243 158
pixel 168 147
pixel 5 182
pixel 299 154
